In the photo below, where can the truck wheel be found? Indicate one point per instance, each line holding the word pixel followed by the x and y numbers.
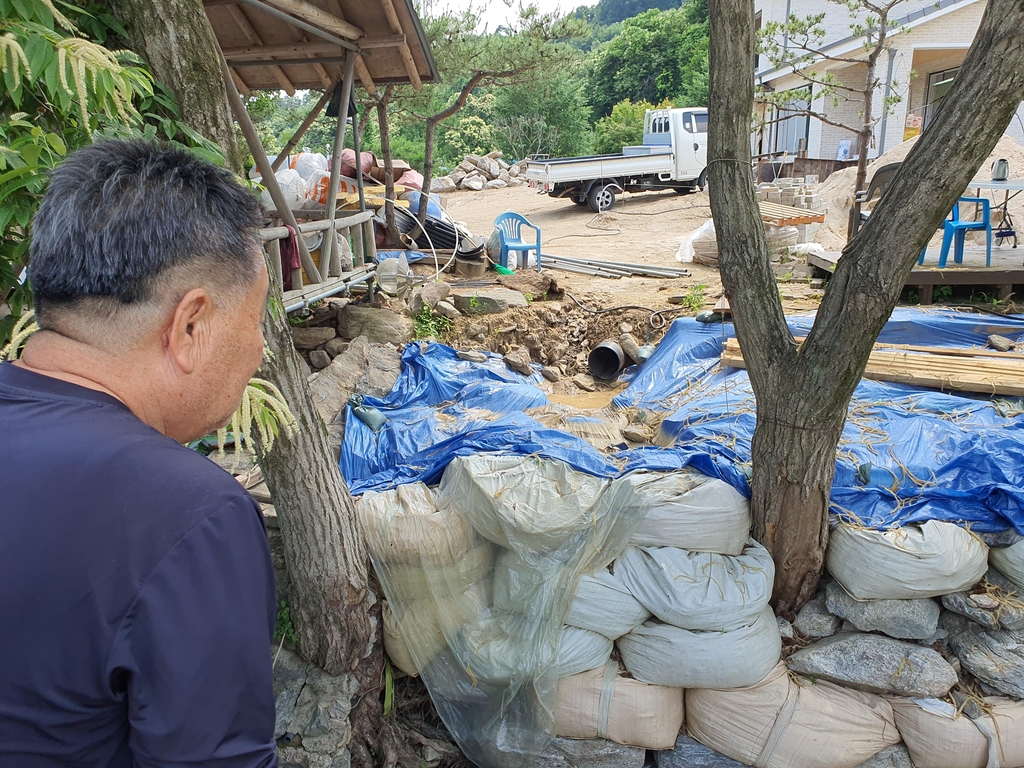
pixel 601 197
pixel 580 200
pixel 702 180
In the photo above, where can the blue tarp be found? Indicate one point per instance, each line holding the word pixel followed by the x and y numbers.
pixel 906 454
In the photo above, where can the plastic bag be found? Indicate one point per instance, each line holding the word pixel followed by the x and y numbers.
pixel 782 722
pixel 604 704
pixel 411 179
pixel 1009 561
pixel 929 560
pixel 319 185
pixel 308 163
pixel 686 250
pixel 699 590
pixel 691 511
pixel 781 237
pixel 666 655
pixel 292 187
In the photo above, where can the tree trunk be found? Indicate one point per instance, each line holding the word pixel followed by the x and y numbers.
pixel 167 35
pixel 384 129
pixel 802 395
pixel 428 165
pixel 866 132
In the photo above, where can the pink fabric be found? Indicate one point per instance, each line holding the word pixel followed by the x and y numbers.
pixel 290 258
pixel 412 179
pixel 348 161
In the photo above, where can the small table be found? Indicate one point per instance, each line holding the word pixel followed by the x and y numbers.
pixel 1015 186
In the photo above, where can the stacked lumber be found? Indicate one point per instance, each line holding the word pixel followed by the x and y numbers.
pixel 965 370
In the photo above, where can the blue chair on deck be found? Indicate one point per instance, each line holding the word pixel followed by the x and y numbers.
pixel 954 230
pixel 510 228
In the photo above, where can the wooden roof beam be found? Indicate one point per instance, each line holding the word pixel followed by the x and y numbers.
pixel 391 41
pixel 240 83
pixel 360 67
pixel 403 49
pixel 303 47
pixel 254 39
pixel 320 18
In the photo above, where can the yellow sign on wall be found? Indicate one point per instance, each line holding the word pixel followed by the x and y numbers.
pixel 912 127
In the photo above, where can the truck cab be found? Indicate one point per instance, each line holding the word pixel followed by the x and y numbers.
pixel 673 156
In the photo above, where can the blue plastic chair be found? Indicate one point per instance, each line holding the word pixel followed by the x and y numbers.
pixel 510 232
pixel 954 230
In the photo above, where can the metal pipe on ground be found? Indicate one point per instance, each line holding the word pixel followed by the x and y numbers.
pixel 607 359
pixel 626 268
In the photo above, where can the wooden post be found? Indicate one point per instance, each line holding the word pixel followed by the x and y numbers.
pixel 269 180
pixel 274 255
pixel 314 113
pixel 339 144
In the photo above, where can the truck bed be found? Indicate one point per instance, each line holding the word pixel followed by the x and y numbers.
pixel 561 170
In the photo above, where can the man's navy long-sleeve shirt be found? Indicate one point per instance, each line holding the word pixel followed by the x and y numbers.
pixel 136 592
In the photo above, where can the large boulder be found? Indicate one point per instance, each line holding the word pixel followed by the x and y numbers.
pixel 429 295
pixel 876 664
pixel 489 167
pixel 815 621
pixel 488 302
pixel 902 619
pixel 993 608
pixel 475 182
pixel 443 185
pixel 496 184
pixel 688 753
pixel 995 658
pixel 363 368
pixel 377 325
pixel 311 338
pixel 519 361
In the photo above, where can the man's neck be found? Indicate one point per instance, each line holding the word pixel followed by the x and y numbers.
pixel 48 353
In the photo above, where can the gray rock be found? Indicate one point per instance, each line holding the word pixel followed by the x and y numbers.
pixel 311 338
pixel 590 753
pixel 551 373
pixel 584 381
pixel 442 185
pixel 688 753
pixel 457 175
pixel 895 756
pixel 429 295
pixel 814 620
pixel 377 325
pixel 290 674
pixel 557 352
pixel 992 610
pixel 630 346
pixel 444 309
pixel 471 355
pixel 514 170
pixel 489 167
pixel 488 302
pixel 306 370
pixel 475 183
pixel 496 154
pixel 496 184
pixel 515 181
pixel 995 658
pixel 785 628
pixel 876 664
pixel 369 369
pixel 319 359
pixel 1000 343
pixel 519 361
pixel 504 175
pixel 902 619
pixel 335 347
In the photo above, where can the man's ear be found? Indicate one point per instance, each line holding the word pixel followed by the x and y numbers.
pixel 190 331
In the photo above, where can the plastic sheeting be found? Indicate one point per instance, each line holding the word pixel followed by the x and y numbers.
pixel 486 632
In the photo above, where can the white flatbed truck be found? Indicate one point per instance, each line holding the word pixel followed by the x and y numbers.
pixel 673 156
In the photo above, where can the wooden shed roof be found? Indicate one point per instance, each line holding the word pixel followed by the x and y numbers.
pixel 292 45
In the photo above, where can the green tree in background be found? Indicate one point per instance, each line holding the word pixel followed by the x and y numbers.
pixel 62 90
pixel 623 127
pixel 658 55
pixel 548 116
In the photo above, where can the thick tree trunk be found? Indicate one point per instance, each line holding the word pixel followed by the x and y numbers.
pixel 384 128
pixel 802 394
pixel 428 165
pixel 167 35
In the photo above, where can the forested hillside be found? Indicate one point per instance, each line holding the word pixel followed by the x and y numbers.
pixel 581 84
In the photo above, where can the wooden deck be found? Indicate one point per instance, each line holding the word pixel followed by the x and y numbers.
pixel 1007 271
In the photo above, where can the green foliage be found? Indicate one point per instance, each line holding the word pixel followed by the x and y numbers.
pixel 427 325
pixel 469 134
pixel 695 298
pixel 62 90
pixel 658 55
pixel 942 292
pixel 623 127
pixel 283 627
pixel 546 116
pixel 611 11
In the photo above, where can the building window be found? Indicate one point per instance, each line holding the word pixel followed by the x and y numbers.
pixel 791 130
pixel 938 86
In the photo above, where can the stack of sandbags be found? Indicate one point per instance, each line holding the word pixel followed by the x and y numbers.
pixel 785 721
pixel 1009 561
pixel 477 172
pixel 435 579
pixel 604 703
pixel 715 630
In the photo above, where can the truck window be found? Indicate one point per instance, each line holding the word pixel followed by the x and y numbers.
pixel 700 121
pixel 687 125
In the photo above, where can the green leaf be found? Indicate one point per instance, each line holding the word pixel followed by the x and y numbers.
pixel 57 144
pixel 24 9
pixel 31 153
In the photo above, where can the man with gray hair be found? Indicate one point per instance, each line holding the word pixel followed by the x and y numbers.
pixel 135 578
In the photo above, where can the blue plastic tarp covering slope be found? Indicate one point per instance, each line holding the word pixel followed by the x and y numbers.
pixel 906 454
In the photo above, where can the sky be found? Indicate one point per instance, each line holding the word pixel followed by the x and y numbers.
pixel 497 12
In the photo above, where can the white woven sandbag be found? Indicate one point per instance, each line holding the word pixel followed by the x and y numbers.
pixel 929 560
pixel 405 526
pixel 1009 561
pixel 415 631
pixel 293 187
pixel 580 650
pixel 488 651
pixel 791 722
pixel 691 511
pixel 410 582
pixel 604 704
pixel 937 736
pixel 603 604
pixel 307 163
pixel 539 503
pixel 699 590
pixel 665 655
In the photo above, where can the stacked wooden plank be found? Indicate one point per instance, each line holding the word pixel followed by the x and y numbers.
pixel 780 215
pixel 964 370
